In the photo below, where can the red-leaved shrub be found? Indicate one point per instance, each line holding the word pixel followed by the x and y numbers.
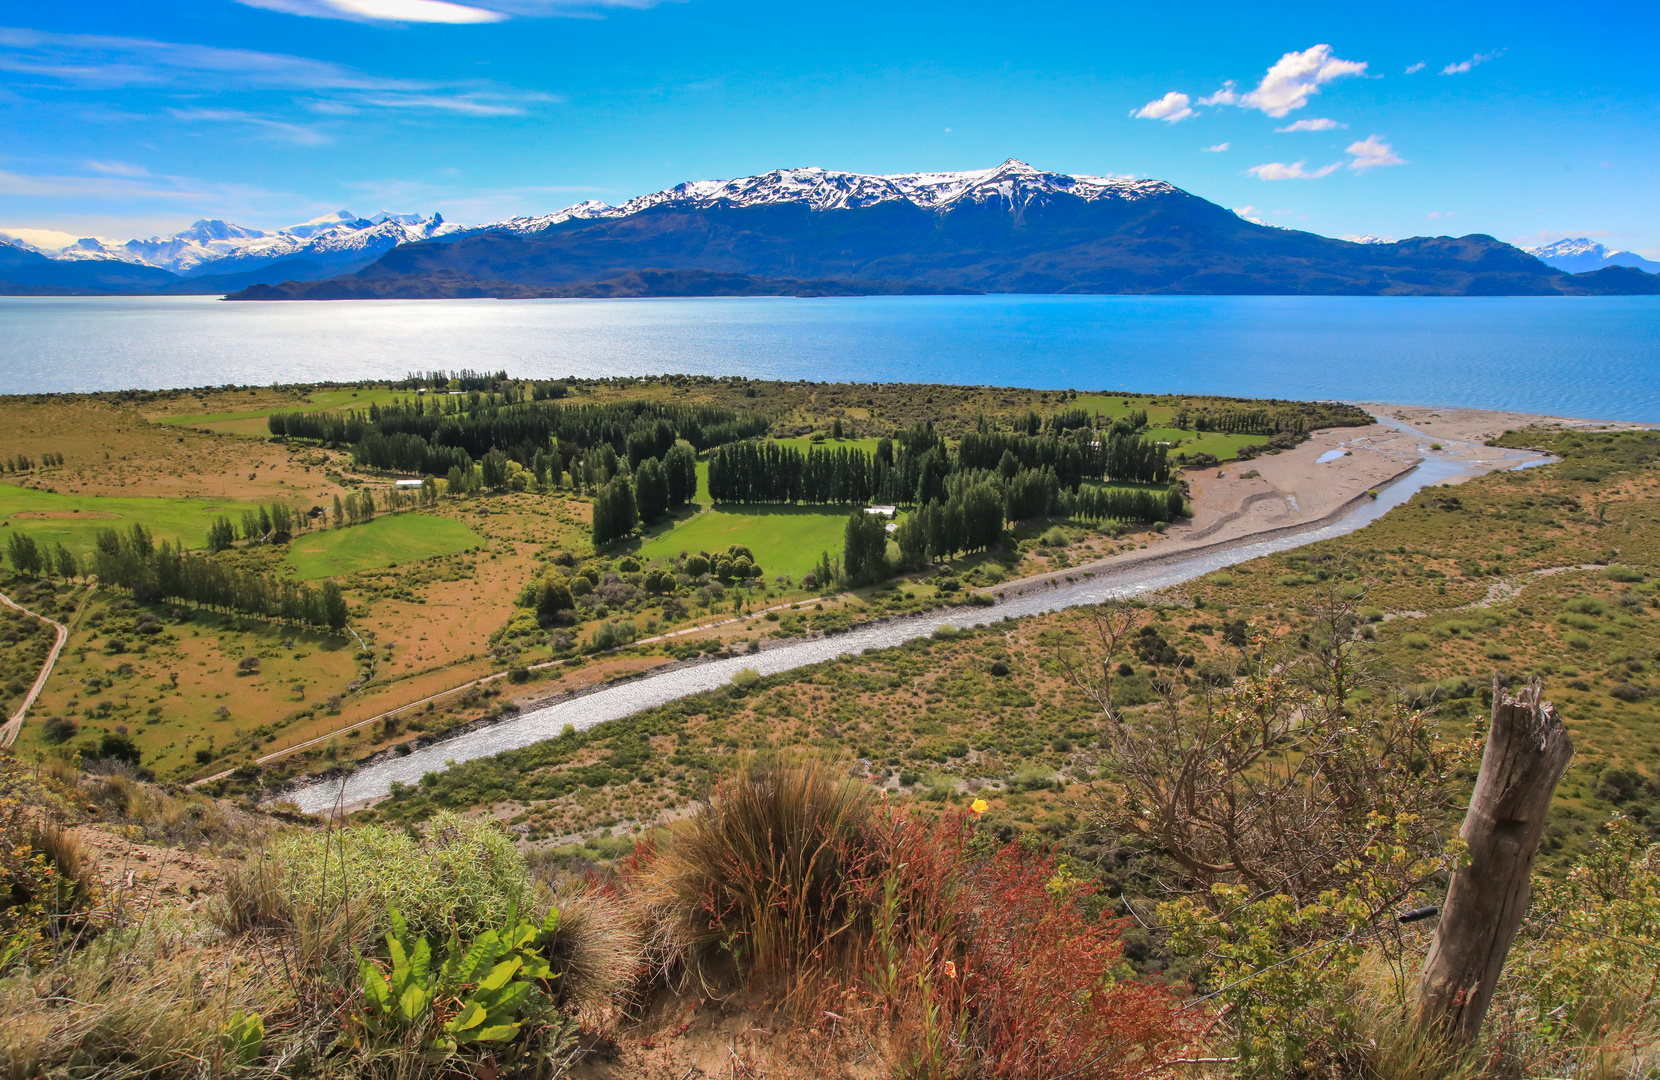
pixel 969 958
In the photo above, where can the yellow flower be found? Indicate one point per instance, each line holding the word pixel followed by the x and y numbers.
pixel 979 807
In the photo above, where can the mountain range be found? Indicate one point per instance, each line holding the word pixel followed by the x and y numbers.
pixel 815 232
pixel 215 256
pixel 1582 255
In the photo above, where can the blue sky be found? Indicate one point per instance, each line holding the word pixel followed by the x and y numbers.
pixel 1529 121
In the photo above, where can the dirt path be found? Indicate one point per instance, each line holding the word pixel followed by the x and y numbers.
pixel 8 733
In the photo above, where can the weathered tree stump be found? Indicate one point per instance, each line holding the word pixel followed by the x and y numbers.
pixel 1527 751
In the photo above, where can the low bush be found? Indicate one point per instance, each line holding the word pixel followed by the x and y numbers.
pixel 333 887
pixel 968 957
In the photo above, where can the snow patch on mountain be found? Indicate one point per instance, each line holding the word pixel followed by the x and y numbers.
pixel 1578 255
pixel 1014 182
pixel 211 245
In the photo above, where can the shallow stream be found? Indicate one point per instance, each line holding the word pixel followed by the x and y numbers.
pixel 624 699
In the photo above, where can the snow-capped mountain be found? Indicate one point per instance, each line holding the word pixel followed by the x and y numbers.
pixel 1015 182
pixel 1579 255
pixel 214 247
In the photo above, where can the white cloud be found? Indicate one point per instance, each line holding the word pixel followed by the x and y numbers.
pixel 1321 124
pixel 441 11
pixel 469 104
pixel 1219 148
pixel 1465 65
pixel 1294 78
pixel 1276 170
pixel 1224 96
pixel 277 129
pixel 93 60
pixel 1251 214
pixel 1169 108
pixel 1433 214
pixel 421 11
pixel 1371 153
pixel 1413 69
pixel 117 168
pixel 97 61
pixel 45 239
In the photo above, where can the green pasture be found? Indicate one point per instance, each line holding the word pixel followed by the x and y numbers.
pixel 386 540
pixel 785 539
pixel 74 520
pixel 322 401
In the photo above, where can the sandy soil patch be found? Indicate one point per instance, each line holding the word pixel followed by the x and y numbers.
pixel 1479 425
pixel 1240 499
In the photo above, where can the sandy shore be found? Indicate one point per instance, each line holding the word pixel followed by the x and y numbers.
pixel 1479 425
pixel 1243 499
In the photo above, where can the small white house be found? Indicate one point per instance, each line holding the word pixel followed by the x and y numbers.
pixel 884 511
pixel 406 485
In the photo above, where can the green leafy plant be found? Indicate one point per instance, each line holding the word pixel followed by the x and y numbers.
pixel 492 992
pixel 243 1039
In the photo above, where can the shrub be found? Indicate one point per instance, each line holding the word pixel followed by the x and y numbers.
pixel 614 634
pixel 333 887
pixel 57 730
pixel 758 875
pixel 1416 641
pixel 980 960
pixel 1625 574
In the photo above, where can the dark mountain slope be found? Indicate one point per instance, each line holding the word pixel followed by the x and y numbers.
pixel 33 274
pixel 1170 242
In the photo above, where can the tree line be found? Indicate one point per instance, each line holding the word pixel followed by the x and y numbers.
pixel 152 571
pixel 435 436
pixel 917 468
pixel 22 463
pixel 1276 418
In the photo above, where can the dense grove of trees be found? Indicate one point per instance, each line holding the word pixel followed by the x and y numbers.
pixel 615 512
pixel 1276 418
pixel 437 434
pixel 915 468
pixel 161 571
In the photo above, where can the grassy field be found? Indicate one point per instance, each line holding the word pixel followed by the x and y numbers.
pixel 385 541
pixel 805 444
pixel 322 400
pixel 1459 584
pixel 785 539
pixel 74 520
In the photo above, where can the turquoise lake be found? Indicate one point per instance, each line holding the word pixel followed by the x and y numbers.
pixel 1593 357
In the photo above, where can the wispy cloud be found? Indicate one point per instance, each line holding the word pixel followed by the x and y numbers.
pixel 280 130
pixel 1219 148
pixel 1276 170
pixel 94 61
pixel 1294 78
pixel 1169 108
pixel 444 11
pixel 1413 69
pixel 1251 214
pixel 1463 66
pixel 1321 124
pixel 1371 153
pixel 409 11
pixel 470 104
pixel 117 168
